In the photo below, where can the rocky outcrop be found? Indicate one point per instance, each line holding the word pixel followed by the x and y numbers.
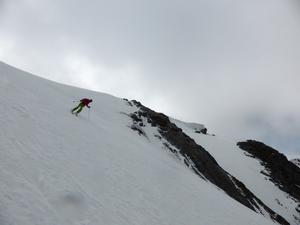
pixel 202 131
pixel 202 162
pixel 283 173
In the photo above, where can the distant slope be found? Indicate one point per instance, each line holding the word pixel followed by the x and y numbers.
pixel 56 168
pixel 248 170
pixel 198 159
pixel 281 172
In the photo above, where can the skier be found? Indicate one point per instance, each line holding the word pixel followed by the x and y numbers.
pixel 83 102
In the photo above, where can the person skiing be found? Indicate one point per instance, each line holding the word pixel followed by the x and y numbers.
pixel 83 102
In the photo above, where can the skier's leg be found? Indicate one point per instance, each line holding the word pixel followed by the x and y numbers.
pixel 80 108
pixel 75 108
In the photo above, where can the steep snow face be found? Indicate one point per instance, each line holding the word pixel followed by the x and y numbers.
pixel 296 162
pixel 56 168
pixel 248 170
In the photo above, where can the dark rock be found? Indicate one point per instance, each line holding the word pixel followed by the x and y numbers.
pixel 298 208
pixel 159 137
pixel 129 103
pixel 159 118
pixel 138 129
pixel 281 171
pixel 204 131
pixel 135 118
pixel 138 104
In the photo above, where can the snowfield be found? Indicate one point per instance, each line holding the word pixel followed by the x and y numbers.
pixel 59 169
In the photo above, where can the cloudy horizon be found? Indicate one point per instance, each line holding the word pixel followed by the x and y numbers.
pixel 231 65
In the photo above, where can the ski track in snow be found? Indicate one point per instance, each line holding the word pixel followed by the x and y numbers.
pixel 56 168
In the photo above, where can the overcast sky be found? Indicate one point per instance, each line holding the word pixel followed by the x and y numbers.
pixel 233 65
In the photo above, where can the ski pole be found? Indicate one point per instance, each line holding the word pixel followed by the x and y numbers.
pixel 89 114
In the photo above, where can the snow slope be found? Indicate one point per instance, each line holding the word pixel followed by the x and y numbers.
pixel 248 170
pixel 56 168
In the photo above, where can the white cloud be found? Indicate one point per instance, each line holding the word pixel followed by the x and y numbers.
pixel 83 72
pixel 6 46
